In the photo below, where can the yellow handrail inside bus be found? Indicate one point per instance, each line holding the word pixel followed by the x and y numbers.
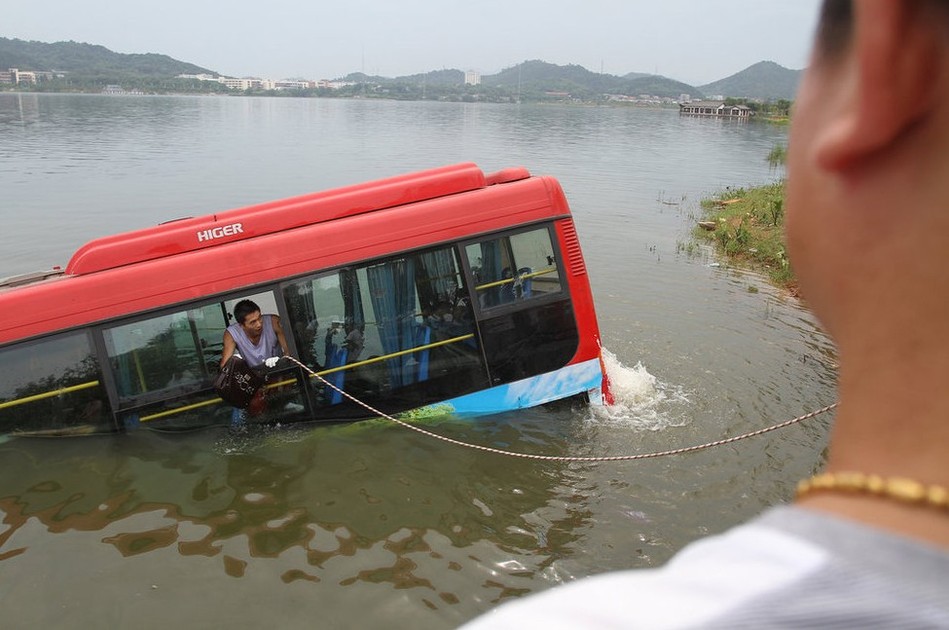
pixel 498 283
pixel 393 355
pixel 214 401
pixel 288 381
pixel 49 394
pixel 171 412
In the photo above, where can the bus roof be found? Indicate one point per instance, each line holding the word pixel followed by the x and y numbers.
pixel 190 234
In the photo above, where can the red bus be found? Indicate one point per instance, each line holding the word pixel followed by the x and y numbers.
pixel 466 293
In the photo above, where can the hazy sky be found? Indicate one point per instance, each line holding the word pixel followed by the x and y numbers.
pixel 695 41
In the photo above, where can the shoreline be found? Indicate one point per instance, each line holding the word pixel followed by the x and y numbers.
pixel 746 226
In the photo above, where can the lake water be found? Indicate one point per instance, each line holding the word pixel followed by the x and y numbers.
pixel 370 525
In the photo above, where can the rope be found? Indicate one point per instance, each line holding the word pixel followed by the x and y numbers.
pixel 567 458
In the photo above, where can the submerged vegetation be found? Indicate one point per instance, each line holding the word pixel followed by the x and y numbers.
pixel 747 226
pixel 778 156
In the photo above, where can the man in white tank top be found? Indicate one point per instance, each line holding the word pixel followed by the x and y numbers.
pixel 255 337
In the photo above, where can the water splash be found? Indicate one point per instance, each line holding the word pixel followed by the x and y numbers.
pixel 642 401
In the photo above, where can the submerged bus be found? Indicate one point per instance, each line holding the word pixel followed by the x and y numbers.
pixel 444 291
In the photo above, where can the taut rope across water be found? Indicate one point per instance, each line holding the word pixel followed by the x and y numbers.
pixel 566 458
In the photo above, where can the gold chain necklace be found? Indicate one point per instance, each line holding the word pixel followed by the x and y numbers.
pixel 897 488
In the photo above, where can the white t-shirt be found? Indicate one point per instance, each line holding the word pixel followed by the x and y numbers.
pixel 790 568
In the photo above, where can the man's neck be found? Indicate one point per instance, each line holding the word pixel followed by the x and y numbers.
pixel 893 421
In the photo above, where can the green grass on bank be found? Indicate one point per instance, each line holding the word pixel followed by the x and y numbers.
pixel 747 227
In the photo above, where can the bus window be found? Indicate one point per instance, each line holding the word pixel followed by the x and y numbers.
pixel 532 335
pixel 150 356
pixel 399 330
pixel 53 385
pixel 514 268
pixel 163 367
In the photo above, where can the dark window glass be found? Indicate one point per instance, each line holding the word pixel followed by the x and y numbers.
pixel 53 385
pixel 527 342
pixel 208 324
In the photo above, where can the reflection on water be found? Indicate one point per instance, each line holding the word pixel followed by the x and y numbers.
pixel 350 505
pixel 358 526
pixel 364 506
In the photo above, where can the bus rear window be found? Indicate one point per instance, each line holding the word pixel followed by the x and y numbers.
pixel 514 268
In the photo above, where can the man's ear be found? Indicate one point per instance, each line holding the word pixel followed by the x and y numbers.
pixel 894 59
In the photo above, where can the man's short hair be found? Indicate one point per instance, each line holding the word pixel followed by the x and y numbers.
pixel 244 308
pixel 835 25
pixel 834 28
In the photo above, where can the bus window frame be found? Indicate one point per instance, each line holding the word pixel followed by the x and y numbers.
pixel 123 405
pixel 92 343
pixel 456 245
pixel 482 313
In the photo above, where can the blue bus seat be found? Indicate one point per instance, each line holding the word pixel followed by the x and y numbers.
pixel 335 358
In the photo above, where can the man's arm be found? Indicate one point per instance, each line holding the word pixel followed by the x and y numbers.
pixel 228 349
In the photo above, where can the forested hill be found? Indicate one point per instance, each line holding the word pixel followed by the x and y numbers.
pixel 87 61
pixel 87 66
pixel 764 80
pixel 535 77
pixel 539 75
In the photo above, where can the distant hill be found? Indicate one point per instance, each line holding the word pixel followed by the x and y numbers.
pixel 433 78
pixel 87 61
pixel 437 77
pixel 536 78
pixel 764 80
pixel 538 75
pixel 362 77
pixel 657 86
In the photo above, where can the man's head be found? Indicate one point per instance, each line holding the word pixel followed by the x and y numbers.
pixel 868 171
pixel 247 314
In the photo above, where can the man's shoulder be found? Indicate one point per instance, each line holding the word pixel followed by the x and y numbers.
pixel 789 566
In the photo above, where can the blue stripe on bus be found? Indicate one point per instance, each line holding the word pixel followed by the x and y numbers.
pixel 529 392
